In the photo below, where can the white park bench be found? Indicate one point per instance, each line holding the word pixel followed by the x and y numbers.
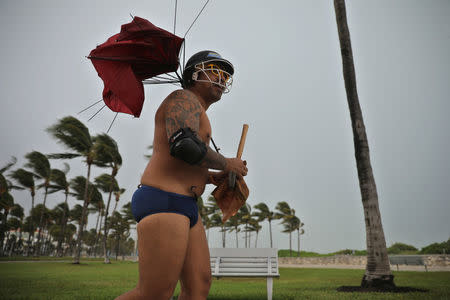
pixel 414 260
pixel 245 262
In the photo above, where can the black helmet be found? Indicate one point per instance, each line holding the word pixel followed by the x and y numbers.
pixel 203 57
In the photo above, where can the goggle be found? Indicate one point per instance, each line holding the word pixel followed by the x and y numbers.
pixel 217 71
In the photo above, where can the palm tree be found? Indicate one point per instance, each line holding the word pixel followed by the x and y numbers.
pixel 6 203
pixel 245 216
pixel 93 196
pixel 233 223
pixel 297 225
pixel 26 181
pixel 4 185
pixel 74 135
pixel 60 183
pixel 254 227
pixel 18 213
pixel 40 167
pixel 108 184
pixel 378 272
pixel 61 215
pixel 263 214
pixel 286 214
pixel 120 227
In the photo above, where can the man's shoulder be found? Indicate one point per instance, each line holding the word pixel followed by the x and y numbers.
pixel 181 95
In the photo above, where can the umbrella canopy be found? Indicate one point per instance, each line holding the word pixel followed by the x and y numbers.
pixel 140 51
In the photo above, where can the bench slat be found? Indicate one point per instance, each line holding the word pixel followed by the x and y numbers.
pixel 244 260
pixel 242 265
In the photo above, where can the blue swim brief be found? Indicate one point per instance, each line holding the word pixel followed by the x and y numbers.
pixel 148 200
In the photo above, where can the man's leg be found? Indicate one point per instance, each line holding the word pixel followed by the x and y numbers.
pixel 162 244
pixel 196 273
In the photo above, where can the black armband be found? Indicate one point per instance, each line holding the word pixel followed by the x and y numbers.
pixel 185 145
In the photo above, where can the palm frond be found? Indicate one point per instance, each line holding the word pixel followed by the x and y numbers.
pixel 72 133
pixel 63 155
pixel 23 177
pixel 39 163
pixel 8 165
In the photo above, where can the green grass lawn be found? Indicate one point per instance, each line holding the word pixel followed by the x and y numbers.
pixel 95 280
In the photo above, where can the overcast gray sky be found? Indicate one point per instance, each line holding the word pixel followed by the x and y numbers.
pixel 288 87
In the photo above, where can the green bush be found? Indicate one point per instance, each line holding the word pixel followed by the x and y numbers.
pixel 399 248
pixel 437 248
pixel 350 252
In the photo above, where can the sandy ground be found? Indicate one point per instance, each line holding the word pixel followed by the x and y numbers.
pixel 362 267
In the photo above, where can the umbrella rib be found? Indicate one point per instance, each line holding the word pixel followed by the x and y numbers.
pixel 196 18
pixel 97 112
pixel 175 18
pixel 112 122
pixel 90 106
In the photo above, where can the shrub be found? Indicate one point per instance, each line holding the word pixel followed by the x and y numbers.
pixel 398 248
pixel 436 248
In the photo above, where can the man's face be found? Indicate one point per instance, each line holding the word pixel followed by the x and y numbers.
pixel 213 77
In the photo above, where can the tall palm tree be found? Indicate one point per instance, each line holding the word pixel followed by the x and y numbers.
pixel 93 195
pixel 286 214
pixel 60 183
pixel 264 213
pixel 254 226
pixel 378 272
pixel 75 136
pixel 40 167
pixel 233 223
pixel 297 225
pixel 245 216
pixel 108 184
pixel 108 152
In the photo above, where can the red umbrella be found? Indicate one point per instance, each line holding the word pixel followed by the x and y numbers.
pixel 140 51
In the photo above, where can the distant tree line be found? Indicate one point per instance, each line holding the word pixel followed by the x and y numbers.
pixel 247 221
pixel 53 231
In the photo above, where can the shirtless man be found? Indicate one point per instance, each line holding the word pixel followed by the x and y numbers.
pixel 171 239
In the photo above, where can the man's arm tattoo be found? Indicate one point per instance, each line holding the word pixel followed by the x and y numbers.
pixel 213 160
pixel 183 110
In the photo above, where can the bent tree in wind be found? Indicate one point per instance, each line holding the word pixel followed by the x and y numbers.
pixel 378 272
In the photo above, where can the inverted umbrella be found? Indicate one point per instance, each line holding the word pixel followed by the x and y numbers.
pixel 140 51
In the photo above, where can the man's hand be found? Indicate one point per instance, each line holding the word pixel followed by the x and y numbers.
pixel 237 166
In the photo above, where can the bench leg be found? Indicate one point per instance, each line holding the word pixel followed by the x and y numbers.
pixel 269 288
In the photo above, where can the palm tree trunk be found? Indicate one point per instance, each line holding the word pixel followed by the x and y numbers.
pixel 76 259
pixel 270 230
pixel 40 223
pixel 63 228
pixel 290 244
pixel 106 229
pixel 378 271
pixel 223 236
pixel 298 242
pixel 256 240
pixel 237 242
pixel 98 234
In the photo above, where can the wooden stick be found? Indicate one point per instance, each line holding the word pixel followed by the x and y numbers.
pixel 242 141
pixel 232 176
